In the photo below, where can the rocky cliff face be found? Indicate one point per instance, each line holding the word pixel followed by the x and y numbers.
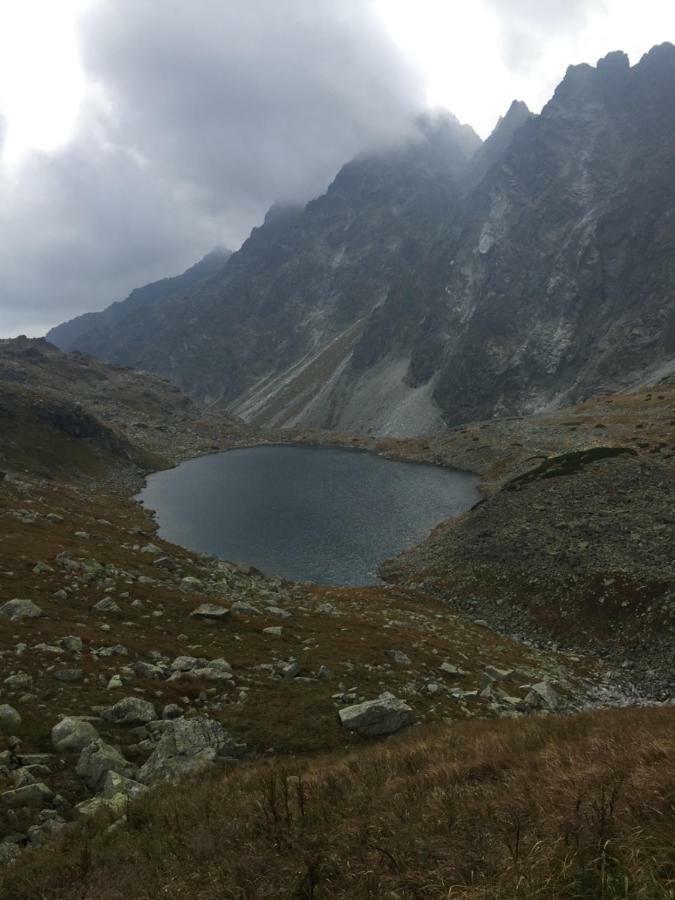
pixel 446 281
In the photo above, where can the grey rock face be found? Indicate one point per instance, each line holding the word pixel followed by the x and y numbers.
pixel 385 715
pixel 73 734
pixel 188 745
pixel 98 758
pixel 18 609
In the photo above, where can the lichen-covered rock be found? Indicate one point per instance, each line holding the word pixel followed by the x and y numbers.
pixel 114 784
pixel 130 711
pixel 73 733
pixel 18 609
pixel 189 745
pixel 98 758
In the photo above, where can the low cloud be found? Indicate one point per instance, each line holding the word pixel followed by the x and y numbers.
pixel 198 117
pixel 529 27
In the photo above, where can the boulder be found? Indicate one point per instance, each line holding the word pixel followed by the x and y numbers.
pixel 130 711
pixel 398 657
pixel 543 696
pixel 107 605
pixel 188 745
pixel 115 805
pixel 149 670
pixel 244 608
pixel 10 719
pixel 115 784
pixel 21 681
pixel 278 612
pixel 73 733
pixel 37 795
pixel 69 676
pixel 210 612
pixel 72 644
pixel 495 674
pixel 18 609
pixel 9 851
pixel 184 663
pixel 452 670
pixel 385 715
pixel 98 758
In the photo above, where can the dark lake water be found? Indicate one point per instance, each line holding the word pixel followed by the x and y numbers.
pixel 308 514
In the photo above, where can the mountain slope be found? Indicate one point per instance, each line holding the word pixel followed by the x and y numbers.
pixel 97 326
pixel 444 282
pixel 291 304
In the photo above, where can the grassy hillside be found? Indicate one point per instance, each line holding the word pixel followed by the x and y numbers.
pixel 574 808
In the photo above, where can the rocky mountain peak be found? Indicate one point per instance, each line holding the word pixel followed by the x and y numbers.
pixel 493 149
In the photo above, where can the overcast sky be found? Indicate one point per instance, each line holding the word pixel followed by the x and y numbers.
pixel 137 134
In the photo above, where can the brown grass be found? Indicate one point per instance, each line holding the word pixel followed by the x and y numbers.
pixel 552 808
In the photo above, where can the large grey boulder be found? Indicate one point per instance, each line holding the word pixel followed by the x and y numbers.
pixel 98 758
pixel 18 609
pixel 73 733
pixel 385 715
pixel 130 711
pixel 189 745
pixel 10 718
